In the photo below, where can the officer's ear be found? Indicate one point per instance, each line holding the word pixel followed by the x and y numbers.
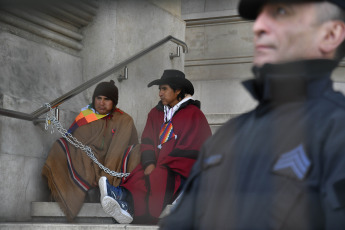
pixel 332 35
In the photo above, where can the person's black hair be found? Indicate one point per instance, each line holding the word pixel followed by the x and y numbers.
pixel 175 87
pixel 339 15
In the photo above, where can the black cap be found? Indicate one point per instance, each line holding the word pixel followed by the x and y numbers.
pixel 107 89
pixel 249 9
pixel 172 76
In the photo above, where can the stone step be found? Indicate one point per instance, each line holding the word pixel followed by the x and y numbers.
pixel 89 213
pixel 53 209
pixel 64 226
pixel 48 212
pixel 216 120
pixel 48 215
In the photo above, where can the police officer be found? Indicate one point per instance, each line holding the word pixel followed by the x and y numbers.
pixel 282 165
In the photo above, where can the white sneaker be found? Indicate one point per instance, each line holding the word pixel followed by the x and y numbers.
pixel 117 209
pixel 102 184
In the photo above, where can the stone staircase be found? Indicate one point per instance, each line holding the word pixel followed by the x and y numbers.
pixel 63 226
pixel 48 215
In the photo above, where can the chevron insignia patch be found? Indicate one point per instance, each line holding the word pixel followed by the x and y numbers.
pixel 294 163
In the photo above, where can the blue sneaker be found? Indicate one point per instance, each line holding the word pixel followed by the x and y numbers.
pixel 118 209
pixel 106 189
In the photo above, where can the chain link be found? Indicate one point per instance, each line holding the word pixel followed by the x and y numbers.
pixel 51 119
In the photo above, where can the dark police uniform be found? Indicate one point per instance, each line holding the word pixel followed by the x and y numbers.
pixel 280 166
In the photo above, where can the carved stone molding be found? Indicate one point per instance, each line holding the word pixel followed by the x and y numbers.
pixel 55 23
pixel 219 61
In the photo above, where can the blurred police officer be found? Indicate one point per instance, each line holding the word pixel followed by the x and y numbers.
pixel 282 165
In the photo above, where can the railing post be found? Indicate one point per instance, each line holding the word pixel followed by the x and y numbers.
pixel 178 51
pixel 57 113
pixel 124 76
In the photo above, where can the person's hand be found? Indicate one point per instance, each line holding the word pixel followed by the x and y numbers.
pixel 149 169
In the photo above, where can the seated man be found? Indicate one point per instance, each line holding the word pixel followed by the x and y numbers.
pixel 109 132
pixel 174 132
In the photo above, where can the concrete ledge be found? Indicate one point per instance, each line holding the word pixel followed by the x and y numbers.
pixel 39 31
pixel 218 61
pixel 43 226
pixel 218 119
pixel 50 212
pixel 211 14
pixel 56 21
pixel 52 209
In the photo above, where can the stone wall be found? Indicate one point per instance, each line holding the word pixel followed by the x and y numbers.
pixel 220 55
pixel 138 25
pixel 35 70
pixel 32 74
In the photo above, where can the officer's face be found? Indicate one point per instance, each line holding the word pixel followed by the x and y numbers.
pixel 286 32
pixel 103 105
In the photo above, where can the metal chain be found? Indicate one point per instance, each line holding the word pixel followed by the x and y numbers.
pixel 51 119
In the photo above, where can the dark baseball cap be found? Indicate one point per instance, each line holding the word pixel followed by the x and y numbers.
pixel 249 9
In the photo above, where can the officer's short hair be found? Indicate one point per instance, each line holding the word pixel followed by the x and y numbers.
pixel 328 12
pixel 340 52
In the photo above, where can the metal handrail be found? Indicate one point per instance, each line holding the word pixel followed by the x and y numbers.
pixel 89 83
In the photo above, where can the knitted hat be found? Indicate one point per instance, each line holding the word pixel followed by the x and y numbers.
pixel 107 89
pixel 249 9
pixel 172 76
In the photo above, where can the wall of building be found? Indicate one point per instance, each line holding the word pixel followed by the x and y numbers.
pixel 36 70
pixel 138 25
pixel 31 75
pixel 39 62
pixel 220 56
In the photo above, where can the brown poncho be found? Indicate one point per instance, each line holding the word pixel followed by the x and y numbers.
pixel 71 173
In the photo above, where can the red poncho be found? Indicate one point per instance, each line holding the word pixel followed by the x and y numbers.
pixel 173 161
